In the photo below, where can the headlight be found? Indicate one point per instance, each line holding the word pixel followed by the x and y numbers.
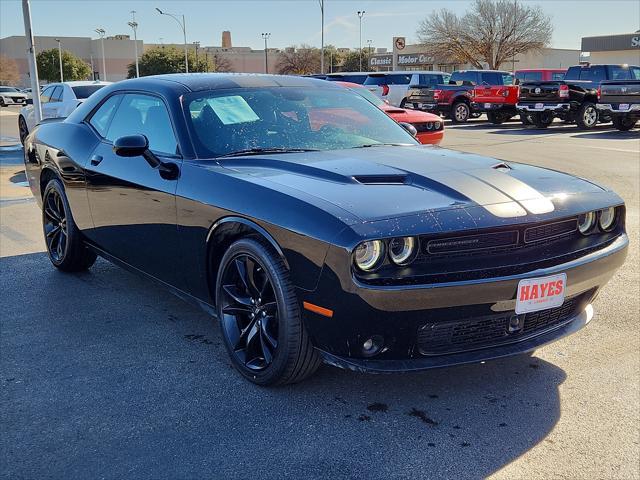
pixel 607 219
pixel 403 250
pixel 586 221
pixel 429 125
pixel 369 255
pixel 436 125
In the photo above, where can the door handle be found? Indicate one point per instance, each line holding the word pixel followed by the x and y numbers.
pixel 95 160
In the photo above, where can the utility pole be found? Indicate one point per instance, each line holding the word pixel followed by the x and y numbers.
pixel 183 26
pixel 266 36
pixel 101 32
pixel 60 59
pixel 134 25
pixel 31 57
pixel 321 2
pixel 360 15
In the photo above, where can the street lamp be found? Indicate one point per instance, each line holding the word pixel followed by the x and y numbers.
pixel 134 25
pixel 369 42
pixel 360 15
pixel 265 37
pixel 60 58
pixel 321 2
pixel 197 46
pixel 101 32
pixel 183 26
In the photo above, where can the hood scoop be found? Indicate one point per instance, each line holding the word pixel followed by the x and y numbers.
pixel 392 179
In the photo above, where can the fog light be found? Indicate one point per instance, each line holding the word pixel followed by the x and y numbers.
pixel 372 346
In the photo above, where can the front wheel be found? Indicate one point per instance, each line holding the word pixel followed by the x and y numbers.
pixel 460 112
pixel 587 117
pixel 624 124
pixel 542 119
pixel 64 242
pixel 260 316
pixel 526 119
pixel 23 130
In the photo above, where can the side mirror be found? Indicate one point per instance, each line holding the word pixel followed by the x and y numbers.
pixel 131 146
pixel 409 128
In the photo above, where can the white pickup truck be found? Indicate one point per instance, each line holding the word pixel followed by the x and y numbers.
pixel 394 86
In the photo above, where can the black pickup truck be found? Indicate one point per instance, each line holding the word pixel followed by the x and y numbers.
pixel 572 99
pixel 620 100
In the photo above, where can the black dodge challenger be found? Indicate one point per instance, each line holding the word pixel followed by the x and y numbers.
pixel 315 228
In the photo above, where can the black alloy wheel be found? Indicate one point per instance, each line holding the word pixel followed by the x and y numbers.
pixel 249 312
pixel 64 242
pixel 22 129
pixel 260 316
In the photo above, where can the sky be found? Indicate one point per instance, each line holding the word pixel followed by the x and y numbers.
pixel 295 22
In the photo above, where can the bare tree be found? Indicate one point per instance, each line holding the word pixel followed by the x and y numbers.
pixel 220 63
pixel 492 32
pixel 8 71
pixel 301 60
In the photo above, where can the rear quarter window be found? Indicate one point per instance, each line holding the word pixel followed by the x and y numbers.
pixel 84 91
pixel 394 79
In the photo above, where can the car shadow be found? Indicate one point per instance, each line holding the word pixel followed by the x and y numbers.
pixel 107 371
pixel 609 135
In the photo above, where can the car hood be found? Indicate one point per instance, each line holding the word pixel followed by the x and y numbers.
pixel 383 182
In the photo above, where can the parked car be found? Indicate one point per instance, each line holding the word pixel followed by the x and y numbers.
pixel 620 99
pixel 429 127
pixel 349 243
pixel 353 77
pixel 11 96
pixel 470 92
pixel 539 74
pixel 394 86
pixel 574 98
pixel 58 100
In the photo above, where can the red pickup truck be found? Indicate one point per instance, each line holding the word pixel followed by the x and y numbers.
pixel 470 91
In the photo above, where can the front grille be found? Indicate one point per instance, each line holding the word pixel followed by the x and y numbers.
pixel 467 243
pixel 439 338
pixel 550 230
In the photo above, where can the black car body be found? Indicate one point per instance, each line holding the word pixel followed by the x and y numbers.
pixel 479 227
pixel 574 98
pixel 621 101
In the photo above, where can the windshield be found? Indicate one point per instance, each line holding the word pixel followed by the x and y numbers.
pixel 85 91
pixel 8 89
pixel 363 92
pixel 287 118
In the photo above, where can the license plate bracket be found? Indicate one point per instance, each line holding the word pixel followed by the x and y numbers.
pixel 540 293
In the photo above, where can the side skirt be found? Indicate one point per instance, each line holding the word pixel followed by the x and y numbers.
pixel 187 297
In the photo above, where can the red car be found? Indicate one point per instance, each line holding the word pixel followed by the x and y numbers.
pixel 430 127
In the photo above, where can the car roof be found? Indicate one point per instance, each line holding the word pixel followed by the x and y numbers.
pixel 337 74
pixel 483 71
pixel 405 72
pixel 77 83
pixel 215 81
pixel 541 70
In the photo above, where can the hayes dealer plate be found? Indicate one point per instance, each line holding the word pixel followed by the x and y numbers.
pixel 540 293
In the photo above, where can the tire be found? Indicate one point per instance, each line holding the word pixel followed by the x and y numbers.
pixel 22 129
pixel 63 240
pixel 542 119
pixel 587 117
pixel 403 103
pixel 624 124
pixel 2 104
pixel 460 112
pixel 497 118
pixel 262 300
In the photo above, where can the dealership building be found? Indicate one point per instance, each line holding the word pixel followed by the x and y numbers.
pixel 623 48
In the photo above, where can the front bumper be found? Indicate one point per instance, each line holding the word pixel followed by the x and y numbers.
pixel 542 107
pixel 14 101
pixel 397 313
pixel 430 138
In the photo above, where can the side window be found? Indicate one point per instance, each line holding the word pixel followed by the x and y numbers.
pixel 593 74
pixel 101 118
pixel 635 73
pixel 56 96
pixel 506 78
pixel 557 76
pixel 491 78
pixel 146 115
pixel 45 96
pixel 573 73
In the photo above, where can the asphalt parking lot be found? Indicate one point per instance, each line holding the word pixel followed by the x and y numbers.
pixel 105 375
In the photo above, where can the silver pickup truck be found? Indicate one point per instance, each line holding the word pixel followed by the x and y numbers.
pixel 621 100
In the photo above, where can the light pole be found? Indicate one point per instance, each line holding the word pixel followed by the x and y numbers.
pixel 31 57
pixel 369 42
pixel 60 59
pixel 101 32
pixel 265 37
pixel 360 15
pixel 197 46
pixel 321 2
pixel 134 25
pixel 183 26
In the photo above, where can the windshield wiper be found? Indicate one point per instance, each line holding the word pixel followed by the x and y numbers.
pixel 369 145
pixel 260 151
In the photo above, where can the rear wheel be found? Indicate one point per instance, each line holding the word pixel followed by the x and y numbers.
pixel 624 124
pixel 542 119
pixel 260 316
pixel 587 117
pixel 498 117
pixel 64 242
pixel 460 112
pixel 526 119
pixel 23 130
